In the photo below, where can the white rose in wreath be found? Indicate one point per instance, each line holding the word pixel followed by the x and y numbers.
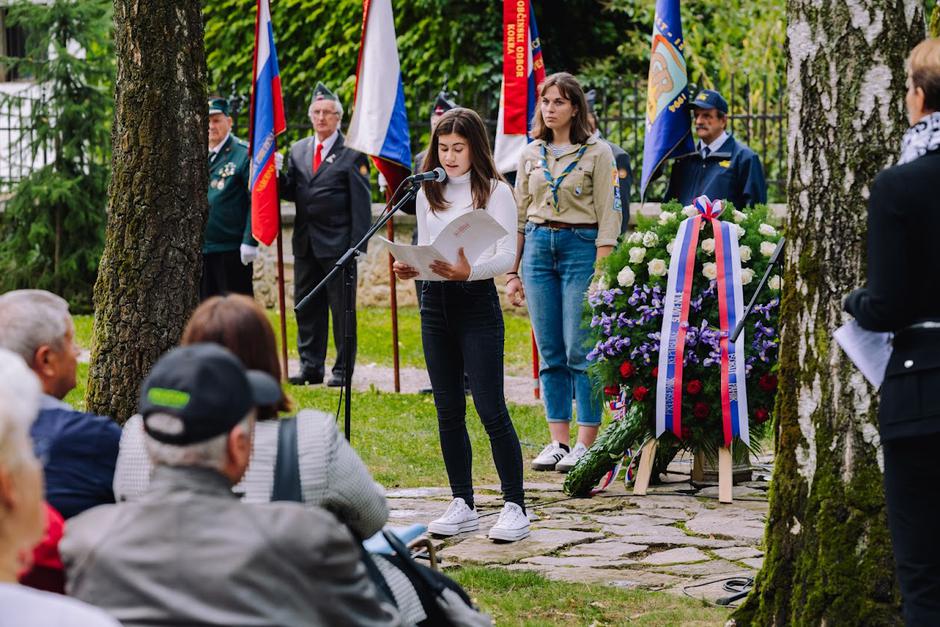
pixel 767 248
pixel 670 246
pixel 745 252
pixel 738 217
pixel 650 239
pixel 741 231
pixel 689 211
pixel 603 283
pixel 766 230
pixel 626 277
pixel 657 267
pixel 747 275
pixel 637 254
pixel 775 282
pixel 708 245
pixel 635 238
pixel 710 270
pixel 666 217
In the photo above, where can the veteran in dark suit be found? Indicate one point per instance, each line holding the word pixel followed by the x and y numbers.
pixel 329 185
pixel 190 552
pixel 902 295
pixel 228 248
pixel 721 167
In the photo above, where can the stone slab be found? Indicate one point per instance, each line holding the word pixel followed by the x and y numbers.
pixel 754 562
pixel 733 523
pixel 684 555
pixel 622 578
pixel 479 549
pixel 705 570
pixel 606 548
pixel 588 561
pixel 738 553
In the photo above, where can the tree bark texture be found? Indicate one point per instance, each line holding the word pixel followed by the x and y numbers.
pixel 149 273
pixel 828 552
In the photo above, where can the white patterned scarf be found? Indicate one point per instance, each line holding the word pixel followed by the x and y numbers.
pixel 921 138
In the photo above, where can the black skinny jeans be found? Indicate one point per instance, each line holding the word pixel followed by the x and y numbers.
pixel 462 330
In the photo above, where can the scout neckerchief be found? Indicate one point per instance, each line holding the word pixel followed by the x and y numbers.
pixel 676 323
pixel 553 183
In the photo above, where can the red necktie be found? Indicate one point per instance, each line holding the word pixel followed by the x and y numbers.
pixel 318 157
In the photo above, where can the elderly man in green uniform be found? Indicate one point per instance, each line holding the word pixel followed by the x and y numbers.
pixel 228 249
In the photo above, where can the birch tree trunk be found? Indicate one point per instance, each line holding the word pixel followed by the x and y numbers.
pixel 148 277
pixel 828 552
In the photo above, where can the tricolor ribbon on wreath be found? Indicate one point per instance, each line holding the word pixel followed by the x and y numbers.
pixel 618 408
pixel 669 384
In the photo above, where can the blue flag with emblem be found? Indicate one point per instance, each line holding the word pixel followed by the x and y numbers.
pixel 668 124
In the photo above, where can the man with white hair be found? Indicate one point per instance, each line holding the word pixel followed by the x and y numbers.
pixel 190 552
pixel 78 450
pixel 329 185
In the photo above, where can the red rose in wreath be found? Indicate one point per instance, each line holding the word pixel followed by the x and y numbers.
pixel 761 415
pixel 701 410
pixel 768 382
pixel 611 390
pixel 640 392
pixel 655 372
pixel 686 433
pixel 694 387
pixel 627 370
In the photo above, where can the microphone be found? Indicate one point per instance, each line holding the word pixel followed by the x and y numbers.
pixel 437 174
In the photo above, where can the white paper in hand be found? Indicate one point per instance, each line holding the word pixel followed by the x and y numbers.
pixel 474 231
pixel 868 350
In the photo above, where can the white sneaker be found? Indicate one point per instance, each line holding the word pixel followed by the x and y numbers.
pixel 512 525
pixel 457 519
pixel 549 457
pixel 568 461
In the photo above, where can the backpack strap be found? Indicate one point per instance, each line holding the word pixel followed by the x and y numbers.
pixel 287 466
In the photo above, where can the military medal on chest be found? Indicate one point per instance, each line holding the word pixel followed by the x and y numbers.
pixel 227 170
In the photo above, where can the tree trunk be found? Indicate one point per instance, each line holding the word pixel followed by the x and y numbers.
pixel 149 272
pixel 828 552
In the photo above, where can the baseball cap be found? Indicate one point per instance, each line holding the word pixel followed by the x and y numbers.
pixel 708 99
pixel 207 388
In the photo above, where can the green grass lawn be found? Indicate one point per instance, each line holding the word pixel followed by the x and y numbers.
pixel 375 338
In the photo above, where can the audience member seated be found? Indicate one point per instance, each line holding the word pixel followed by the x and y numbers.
pixel 77 450
pixel 189 552
pixel 22 513
pixel 332 475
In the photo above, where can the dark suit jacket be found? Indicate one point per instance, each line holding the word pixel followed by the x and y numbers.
pixel 625 179
pixel 334 206
pixel 903 288
pixel 734 173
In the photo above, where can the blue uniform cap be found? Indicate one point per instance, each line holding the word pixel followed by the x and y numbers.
pixel 708 99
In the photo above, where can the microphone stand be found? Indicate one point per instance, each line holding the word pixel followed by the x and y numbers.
pixel 774 258
pixel 345 264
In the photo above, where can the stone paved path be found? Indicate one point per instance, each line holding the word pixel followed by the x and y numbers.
pixel 678 538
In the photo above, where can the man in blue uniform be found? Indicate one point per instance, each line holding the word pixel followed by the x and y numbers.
pixel 721 167
pixel 228 249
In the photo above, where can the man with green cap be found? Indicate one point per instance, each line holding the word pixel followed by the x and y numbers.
pixel 228 249
pixel 329 185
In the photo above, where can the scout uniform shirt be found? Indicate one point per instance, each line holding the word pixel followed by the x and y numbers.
pixel 588 194
pixel 229 222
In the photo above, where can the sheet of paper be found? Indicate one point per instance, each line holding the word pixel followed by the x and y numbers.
pixel 474 232
pixel 868 350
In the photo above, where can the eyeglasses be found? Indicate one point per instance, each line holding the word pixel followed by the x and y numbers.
pixel 322 113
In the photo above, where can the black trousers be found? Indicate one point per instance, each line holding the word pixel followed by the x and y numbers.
pixel 462 330
pixel 912 492
pixel 224 273
pixel 313 321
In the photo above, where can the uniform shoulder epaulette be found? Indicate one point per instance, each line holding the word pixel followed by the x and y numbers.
pixel 242 143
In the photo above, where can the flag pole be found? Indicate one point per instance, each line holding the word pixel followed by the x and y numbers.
pixel 393 296
pixel 281 301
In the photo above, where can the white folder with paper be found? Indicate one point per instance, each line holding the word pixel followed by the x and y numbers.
pixel 868 350
pixel 474 231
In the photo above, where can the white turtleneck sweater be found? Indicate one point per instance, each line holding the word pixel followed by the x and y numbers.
pixel 498 258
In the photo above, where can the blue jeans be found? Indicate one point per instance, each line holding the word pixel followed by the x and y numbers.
pixel 557 266
pixel 462 331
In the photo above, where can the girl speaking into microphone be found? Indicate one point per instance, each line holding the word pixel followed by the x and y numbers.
pixel 462 322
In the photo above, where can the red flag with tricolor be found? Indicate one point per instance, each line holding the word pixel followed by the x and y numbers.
pixel 267 122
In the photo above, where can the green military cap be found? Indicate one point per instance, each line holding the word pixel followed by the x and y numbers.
pixel 321 92
pixel 218 105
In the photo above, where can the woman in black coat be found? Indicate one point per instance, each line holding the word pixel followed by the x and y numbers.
pixel 903 296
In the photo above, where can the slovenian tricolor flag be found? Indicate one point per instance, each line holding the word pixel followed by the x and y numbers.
pixel 379 125
pixel 523 72
pixel 668 125
pixel 267 122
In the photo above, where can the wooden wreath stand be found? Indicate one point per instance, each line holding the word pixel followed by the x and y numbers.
pixel 645 471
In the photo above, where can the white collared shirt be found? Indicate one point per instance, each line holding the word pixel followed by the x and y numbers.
pixel 327 144
pixel 214 152
pixel 715 145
